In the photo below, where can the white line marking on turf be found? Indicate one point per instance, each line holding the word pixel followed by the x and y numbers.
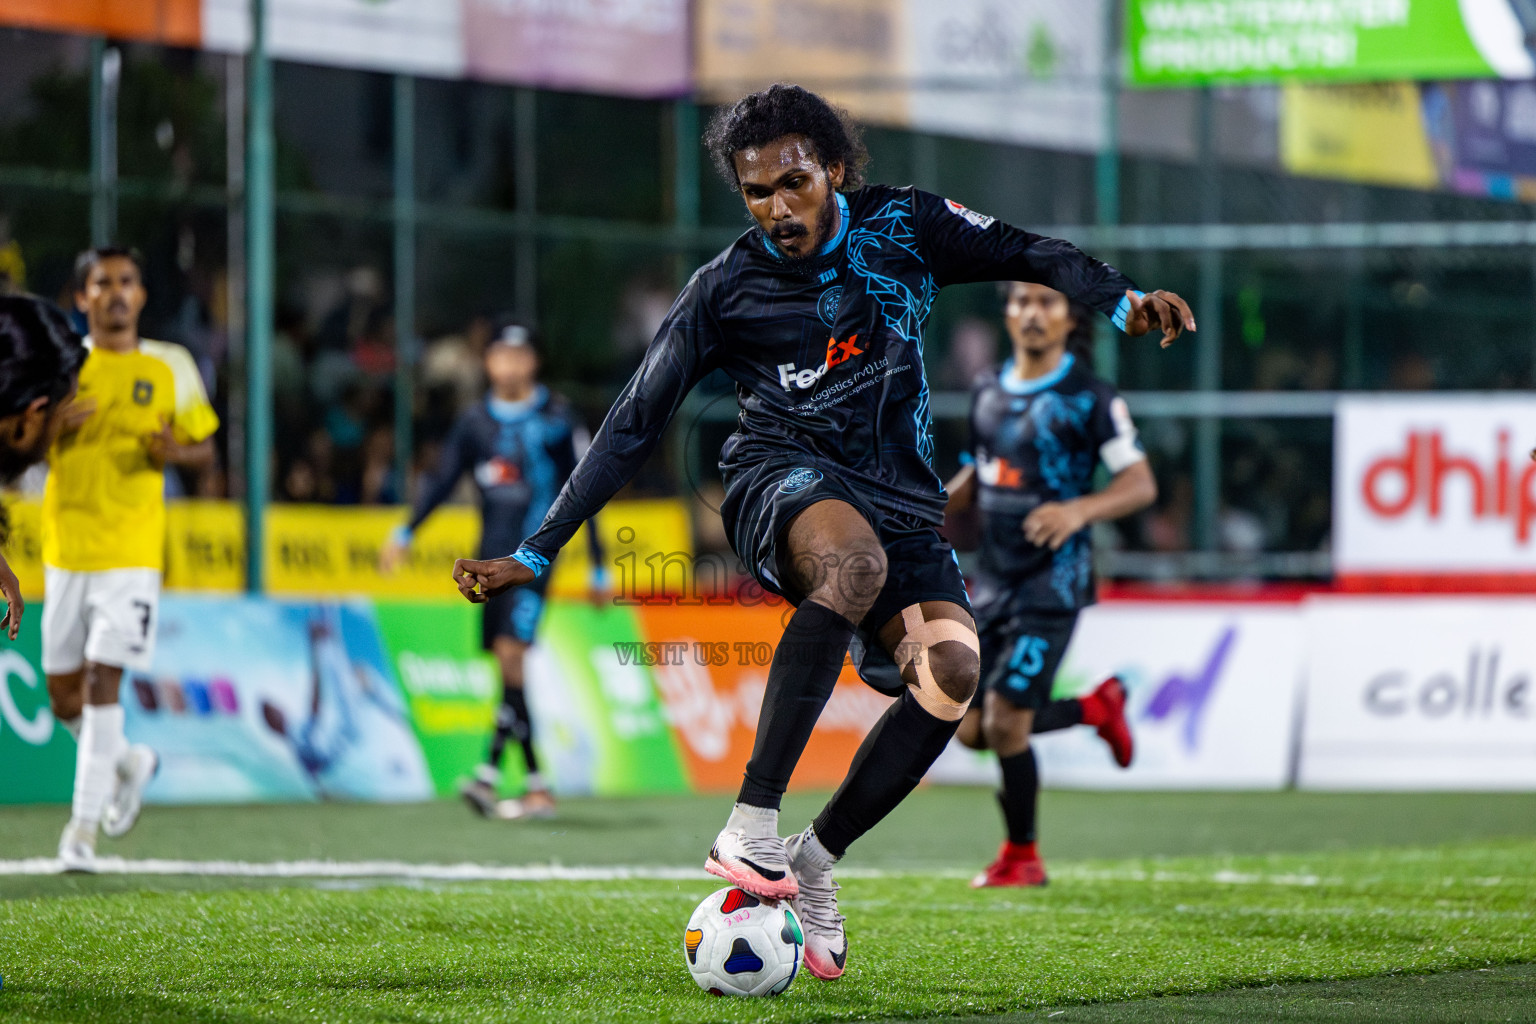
pixel 466 872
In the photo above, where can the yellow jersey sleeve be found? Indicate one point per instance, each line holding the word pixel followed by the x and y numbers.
pixel 194 419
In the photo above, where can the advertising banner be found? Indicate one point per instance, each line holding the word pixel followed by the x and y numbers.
pixel 1485 134
pixel 620 47
pixel 177 22
pixel 1180 42
pixel 1420 693
pixel 37 758
pixel 1372 133
pixel 330 550
pixel 711 667
pixel 852 50
pixel 420 37
pixel 253 700
pixel 1030 71
pixel 1435 485
pixel 1211 699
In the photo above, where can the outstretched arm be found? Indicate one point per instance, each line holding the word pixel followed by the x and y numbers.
pixel 963 246
pixel 675 361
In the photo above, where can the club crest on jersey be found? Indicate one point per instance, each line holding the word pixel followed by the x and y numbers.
pixel 980 220
pixel 143 392
pixel 827 306
pixel 791 377
pixel 799 480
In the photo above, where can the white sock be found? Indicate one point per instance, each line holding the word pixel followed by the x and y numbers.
pixel 101 743
pixel 813 852
pixel 754 821
pixel 72 726
pixel 488 774
pixel 534 783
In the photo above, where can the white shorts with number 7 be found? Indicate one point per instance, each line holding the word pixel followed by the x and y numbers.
pixel 104 617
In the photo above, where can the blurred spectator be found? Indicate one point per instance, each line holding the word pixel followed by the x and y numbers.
pixel 1412 371
pixel 378 477
pixel 450 372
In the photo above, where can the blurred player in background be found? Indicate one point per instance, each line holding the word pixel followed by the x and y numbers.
pixel 817 314
pixel 141 407
pixel 1039 428
pixel 520 445
pixel 40 357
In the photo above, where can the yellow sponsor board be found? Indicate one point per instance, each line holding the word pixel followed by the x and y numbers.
pixel 1368 133
pixel 321 550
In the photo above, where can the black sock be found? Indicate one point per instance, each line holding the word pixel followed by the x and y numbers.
pixel 1020 795
pixel 804 670
pixel 1059 714
pixel 890 763
pixel 512 722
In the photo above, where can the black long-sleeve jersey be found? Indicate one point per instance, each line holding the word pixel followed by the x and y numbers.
pixel 520 454
pixel 826 352
pixel 1032 442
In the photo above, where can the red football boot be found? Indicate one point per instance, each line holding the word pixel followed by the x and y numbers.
pixel 1017 864
pixel 1104 709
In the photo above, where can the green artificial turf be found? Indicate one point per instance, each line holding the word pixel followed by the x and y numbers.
pixel 1155 898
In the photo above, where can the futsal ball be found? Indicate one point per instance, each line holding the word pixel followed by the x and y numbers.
pixel 737 944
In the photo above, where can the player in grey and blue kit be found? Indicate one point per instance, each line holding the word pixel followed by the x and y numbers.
pixel 520 446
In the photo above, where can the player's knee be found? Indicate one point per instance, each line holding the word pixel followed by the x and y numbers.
pixel 969 734
pixel 66 696
pixel 1006 729
pixel 847 580
pixel 956 670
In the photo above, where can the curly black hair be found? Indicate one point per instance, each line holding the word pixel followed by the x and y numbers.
pixel 781 110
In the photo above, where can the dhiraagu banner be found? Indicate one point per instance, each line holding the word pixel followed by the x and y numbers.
pixel 1178 42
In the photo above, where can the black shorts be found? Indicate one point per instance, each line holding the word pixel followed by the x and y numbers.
pixel 514 613
pixel 1020 653
pixel 920 565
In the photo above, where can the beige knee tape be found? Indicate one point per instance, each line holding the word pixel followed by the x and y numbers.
pixel 922 636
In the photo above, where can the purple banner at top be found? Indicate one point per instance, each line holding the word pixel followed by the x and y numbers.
pixel 619 47
pixel 1485 136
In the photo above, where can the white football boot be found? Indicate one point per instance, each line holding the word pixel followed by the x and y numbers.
pixel 134 770
pixel 77 847
pixel 826 943
pixel 749 854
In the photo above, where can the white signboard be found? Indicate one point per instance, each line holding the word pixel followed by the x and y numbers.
pixel 1435 485
pixel 1420 693
pixel 1027 71
pixel 1212 699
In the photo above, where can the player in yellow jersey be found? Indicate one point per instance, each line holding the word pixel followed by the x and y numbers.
pixel 141 406
pixel 40 357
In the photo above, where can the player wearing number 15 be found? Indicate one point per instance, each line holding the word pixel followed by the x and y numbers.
pixel 140 407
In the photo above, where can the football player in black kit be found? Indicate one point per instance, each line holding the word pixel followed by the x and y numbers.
pixel 1039 428
pixel 520 445
pixel 817 314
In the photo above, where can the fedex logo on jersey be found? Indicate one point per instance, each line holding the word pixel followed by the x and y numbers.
pixel 1439 485
pixel 999 472
pixel 838 352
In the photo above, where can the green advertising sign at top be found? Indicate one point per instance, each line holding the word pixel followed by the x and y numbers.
pixel 1183 42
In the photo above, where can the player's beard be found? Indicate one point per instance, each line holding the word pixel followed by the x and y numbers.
pixel 825 221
